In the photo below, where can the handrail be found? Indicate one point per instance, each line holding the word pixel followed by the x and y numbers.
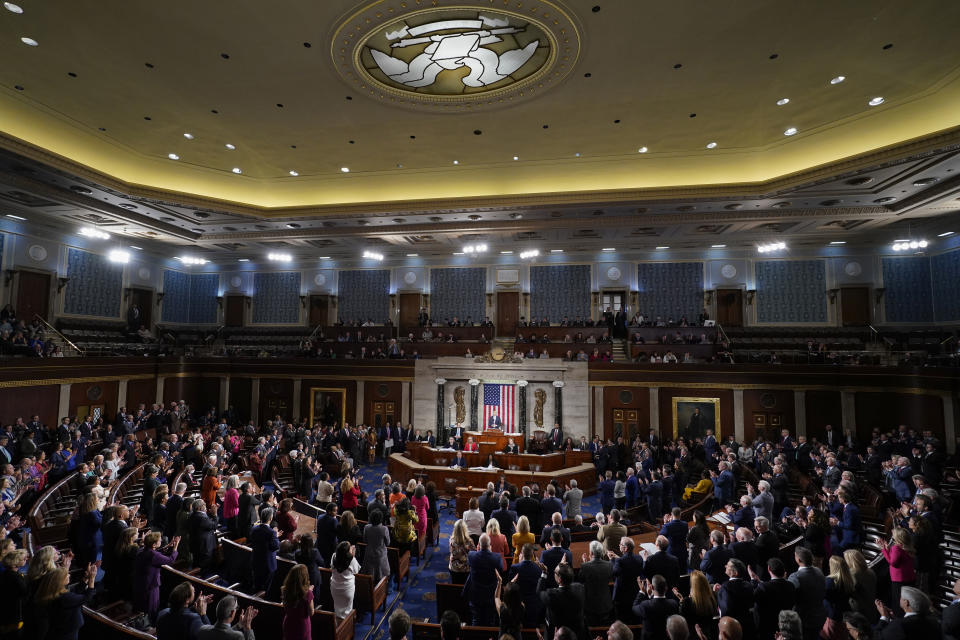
pixel 62 337
pixel 724 334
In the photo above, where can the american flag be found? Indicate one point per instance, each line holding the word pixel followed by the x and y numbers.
pixel 498 398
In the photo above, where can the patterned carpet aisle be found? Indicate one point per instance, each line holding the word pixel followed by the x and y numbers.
pixel 418 597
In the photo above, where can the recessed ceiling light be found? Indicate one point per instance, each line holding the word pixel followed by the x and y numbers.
pixel 173 156
pixel 412 255
pixel 456 162
pixel 133 246
pixel 839 242
pixel 190 260
pixel 230 146
pixel 344 169
pixel 782 101
pixel 711 145
pixel 718 246
pixel 324 257
pixel 294 173
pixel 939 235
pixel 188 136
pixel 576 155
pixel 279 257
pixel 243 259
pixel 292 225
pixel 874 102
pixel 506 253
pixel 90 232
pixel 119 256
pixel 516 157
pixel 791 131
pixel 838 79
pixel 29 41
pixel 458 253
pixel 642 150
pixel 237 170
pixel 10 215
pixel 609 249
pixel 373 255
pixel 556 250
pixel 13 8
pixel 663 247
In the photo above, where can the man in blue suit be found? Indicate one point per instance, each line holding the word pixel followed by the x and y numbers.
pixel 723 484
pixel 714 563
pixel 847 526
pixel 626 569
pixel 529 578
pixel 675 530
pixel 653 490
pixel 553 555
pixel 710 444
pixel 481 584
pixel 327 526
pixel 263 541
pixel 899 477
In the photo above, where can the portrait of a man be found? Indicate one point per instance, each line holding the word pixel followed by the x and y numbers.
pixel 693 416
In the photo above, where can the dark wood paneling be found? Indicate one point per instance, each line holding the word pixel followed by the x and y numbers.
pixel 626 399
pixel 667 395
pixel 508 312
pixel 33 295
pixel 319 310
pixel 887 411
pixel 276 397
pixel 141 392
pixel 240 389
pixel 772 405
pixel 855 306
pixel 24 402
pixel 201 393
pixel 382 392
pixel 822 408
pixel 143 298
pixel 409 311
pixel 233 312
pixel 86 394
pixel 730 307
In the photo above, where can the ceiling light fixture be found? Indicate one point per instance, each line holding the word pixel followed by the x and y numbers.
pixel 609 249
pixel 173 156
pixel 711 145
pixel 531 253
pixel 875 102
pixel 133 246
pixel 190 260
pixel 506 253
pixel 556 250
pixel 237 170
pixel 791 131
pixel 456 162
pixel 243 259
pixel 324 257
pixel 838 79
pixel 718 246
pixel 12 8
pixel 516 157
pixel 10 215
pixel 230 146
pixel 90 232
pixel 774 246
pixel 294 173
pixel 642 150
pixel 906 245
pixel 475 249
pixel 188 136
pixel 458 253
pixel 119 256
pixel 783 101
pixel 939 235
pixel 29 41
pixel 280 257
pixel 663 247
pixel 372 255
pixel 413 255
pixel 836 242
pixel 344 169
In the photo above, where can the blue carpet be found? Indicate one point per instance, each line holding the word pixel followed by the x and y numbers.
pixel 418 596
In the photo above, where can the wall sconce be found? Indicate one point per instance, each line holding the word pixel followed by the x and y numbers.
pixel 708 297
pixel 832 295
pixel 9 273
pixel 61 283
pixel 751 293
pixel 159 298
pixel 249 301
pixel 126 294
pixel 303 301
pixel 220 302
pixel 878 294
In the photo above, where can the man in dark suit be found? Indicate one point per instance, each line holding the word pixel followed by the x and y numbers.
pixel 564 602
pixel 529 506
pixel 810 589
pixel 771 597
pixel 174 503
pixel 249 508
pixel 556 437
pixel 263 540
pixel 203 536
pixel 550 504
pixel 527 572
pixel 767 543
pixel 918 620
pixel 459 461
pixel 457 433
pixel 481 584
pixel 506 518
pixel 715 559
pixel 662 563
pixel 553 556
pixel 950 616
pixel 653 490
pixel 179 620
pixel 675 530
pixel 327 525
pixel 745 549
pixel 736 597
pixel 555 524
pixel 847 526
pixel 503 487
pixel 709 442
pixel 652 608
pixel 494 422
pixel 626 569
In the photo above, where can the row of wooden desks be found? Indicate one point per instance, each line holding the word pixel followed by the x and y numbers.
pixel 506 461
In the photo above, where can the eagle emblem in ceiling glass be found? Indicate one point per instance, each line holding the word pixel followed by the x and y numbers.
pixel 462 52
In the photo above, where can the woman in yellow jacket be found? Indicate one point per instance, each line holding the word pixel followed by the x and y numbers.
pixel 702 488
pixel 404 531
pixel 522 537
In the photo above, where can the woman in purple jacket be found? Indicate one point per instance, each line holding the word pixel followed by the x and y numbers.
pixel 146 573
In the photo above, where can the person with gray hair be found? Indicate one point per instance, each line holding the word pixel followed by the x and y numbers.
pixel 789 626
pixel 596 574
pixel 762 501
pixel 917 621
pixel 572 499
pixel 619 631
pixel 222 629
pixel 677 628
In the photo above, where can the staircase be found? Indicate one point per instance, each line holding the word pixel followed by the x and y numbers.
pixel 620 351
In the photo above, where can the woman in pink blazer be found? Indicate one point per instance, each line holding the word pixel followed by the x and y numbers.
pixel 899 556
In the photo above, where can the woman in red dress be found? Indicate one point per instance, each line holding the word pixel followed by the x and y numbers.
pixel 287 520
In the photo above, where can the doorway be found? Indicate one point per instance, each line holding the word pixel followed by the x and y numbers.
pixel 382 412
pixel 33 295
pixel 233 312
pixel 143 298
pixel 508 312
pixel 730 307
pixel 319 310
pixel 613 300
pixel 409 312
pixel 625 423
pixel 855 306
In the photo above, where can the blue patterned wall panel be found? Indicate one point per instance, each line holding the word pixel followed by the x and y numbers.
pixel 364 294
pixel 558 291
pixel 907 296
pixel 176 297
pixel 791 291
pixel 670 289
pixel 276 298
pixel 203 297
pixel 95 285
pixel 945 274
pixel 457 293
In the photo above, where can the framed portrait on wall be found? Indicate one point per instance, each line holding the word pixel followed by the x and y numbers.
pixel 328 406
pixel 693 416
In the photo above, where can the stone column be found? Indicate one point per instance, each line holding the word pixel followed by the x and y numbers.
pixel 297 401
pixel 949 426
pixel 406 400
pixel 558 402
pixel 474 402
pixel 224 393
pixel 655 410
pixel 255 401
pixel 358 414
pixel 800 413
pixel 738 430
pixel 597 411
pixel 63 408
pixel 441 426
pixel 122 393
pixel 848 409
pixel 522 406
pixel 160 381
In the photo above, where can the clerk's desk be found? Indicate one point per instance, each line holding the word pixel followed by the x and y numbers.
pixel 419 452
pixel 494 440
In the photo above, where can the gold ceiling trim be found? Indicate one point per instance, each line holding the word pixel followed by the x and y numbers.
pixel 937 142
pixel 918 391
